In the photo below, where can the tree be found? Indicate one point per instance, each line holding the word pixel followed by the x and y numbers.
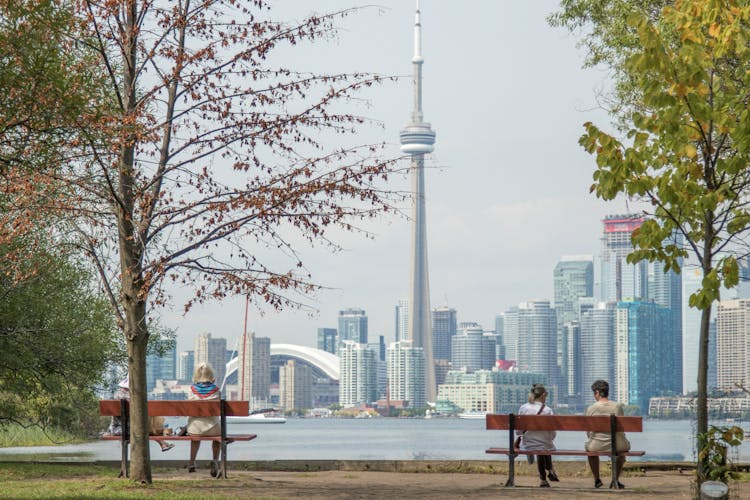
pixel 56 338
pixel 685 151
pixel 202 156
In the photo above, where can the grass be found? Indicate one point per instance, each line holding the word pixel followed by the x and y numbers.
pixel 14 435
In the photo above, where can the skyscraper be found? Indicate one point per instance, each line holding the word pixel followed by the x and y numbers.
pixel 405 366
pixel 733 343
pixel 358 379
pixel 641 370
pixel 401 327
pixel 620 280
pixel 185 364
pixel 444 324
pixel 295 386
pixel 327 339
pixel 161 366
pixel 472 350
pixel 510 333
pixel 254 376
pixel 597 345
pixel 573 278
pixel 352 326
pixel 537 340
pixel 214 352
pixel 418 139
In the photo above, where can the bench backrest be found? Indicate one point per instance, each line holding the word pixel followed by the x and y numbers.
pixel 599 423
pixel 211 408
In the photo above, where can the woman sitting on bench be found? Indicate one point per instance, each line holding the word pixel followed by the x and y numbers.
pixel 539 440
pixel 204 388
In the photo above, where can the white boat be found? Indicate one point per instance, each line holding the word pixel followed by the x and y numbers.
pixel 263 416
pixel 473 415
pixel 256 418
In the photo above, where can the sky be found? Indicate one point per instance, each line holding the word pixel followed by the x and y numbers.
pixel 507 187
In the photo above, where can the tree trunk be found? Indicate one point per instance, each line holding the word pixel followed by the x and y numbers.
pixel 140 461
pixel 702 406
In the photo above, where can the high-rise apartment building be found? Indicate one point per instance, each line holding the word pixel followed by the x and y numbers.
pixel 510 333
pixel 444 327
pixel 537 340
pixel 642 332
pixel 501 351
pixel 597 346
pixel 405 368
pixel 733 343
pixel 352 326
pixel 573 278
pixel 254 375
pixel 570 334
pixel 358 382
pixel 665 289
pixel 214 352
pixel 619 279
pixel 401 320
pixel 185 366
pixel 295 386
pixel 327 339
pixel 472 350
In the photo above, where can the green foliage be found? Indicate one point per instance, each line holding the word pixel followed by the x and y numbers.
pixel 714 447
pixel 56 338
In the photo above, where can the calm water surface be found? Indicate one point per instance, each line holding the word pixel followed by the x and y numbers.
pixel 387 439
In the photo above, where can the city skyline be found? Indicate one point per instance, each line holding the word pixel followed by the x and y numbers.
pixel 507 189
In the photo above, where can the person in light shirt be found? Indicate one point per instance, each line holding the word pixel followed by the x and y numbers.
pixel 539 440
pixel 602 441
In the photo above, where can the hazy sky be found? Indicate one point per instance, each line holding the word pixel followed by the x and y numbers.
pixel 507 191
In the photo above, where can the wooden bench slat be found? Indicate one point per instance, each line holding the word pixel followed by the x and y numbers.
pixel 564 423
pixel 189 408
pixel 230 437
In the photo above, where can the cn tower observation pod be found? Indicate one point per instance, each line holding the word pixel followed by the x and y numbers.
pixel 417 138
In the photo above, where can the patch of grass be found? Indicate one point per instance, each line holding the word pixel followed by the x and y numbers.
pixel 16 435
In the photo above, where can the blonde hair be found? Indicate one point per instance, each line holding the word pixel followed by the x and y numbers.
pixel 203 373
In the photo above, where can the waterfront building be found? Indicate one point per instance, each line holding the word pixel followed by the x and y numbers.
pixel 510 333
pixel 185 366
pixel 254 375
pixel 619 279
pixel 573 278
pixel 401 326
pixel 214 352
pixel 295 386
pixel 733 343
pixel 444 328
pixel 684 407
pixel 405 368
pixel 571 363
pixel 488 391
pixel 357 374
pixel 161 365
pixel 597 358
pixel 352 326
pixel 418 139
pixel 472 350
pixel 327 339
pixel 537 340
pixel 641 371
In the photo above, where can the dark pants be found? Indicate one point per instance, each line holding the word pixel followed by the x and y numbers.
pixel 543 464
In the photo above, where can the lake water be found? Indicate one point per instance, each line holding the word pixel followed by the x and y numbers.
pixel 387 439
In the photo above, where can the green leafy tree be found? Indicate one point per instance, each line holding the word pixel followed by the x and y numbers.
pixel 57 336
pixel 686 128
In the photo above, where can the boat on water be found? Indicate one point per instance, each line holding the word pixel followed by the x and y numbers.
pixel 258 417
pixel 473 415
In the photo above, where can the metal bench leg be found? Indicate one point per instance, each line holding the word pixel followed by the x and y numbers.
pixel 512 451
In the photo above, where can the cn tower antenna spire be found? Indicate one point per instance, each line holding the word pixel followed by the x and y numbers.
pixel 417 139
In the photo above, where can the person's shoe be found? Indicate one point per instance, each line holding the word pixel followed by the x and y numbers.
pixel 214 468
pixel 168 447
pixel 552 476
pixel 191 467
pixel 620 485
pixel 598 483
pixel 530 459
pixel 544 484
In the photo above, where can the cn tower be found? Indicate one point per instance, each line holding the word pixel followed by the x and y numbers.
pixel 417 139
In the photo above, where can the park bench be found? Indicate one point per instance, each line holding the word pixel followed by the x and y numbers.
pixel 600 423
pixel 212 408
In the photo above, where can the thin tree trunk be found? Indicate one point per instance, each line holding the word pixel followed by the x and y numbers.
pixel 140 462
